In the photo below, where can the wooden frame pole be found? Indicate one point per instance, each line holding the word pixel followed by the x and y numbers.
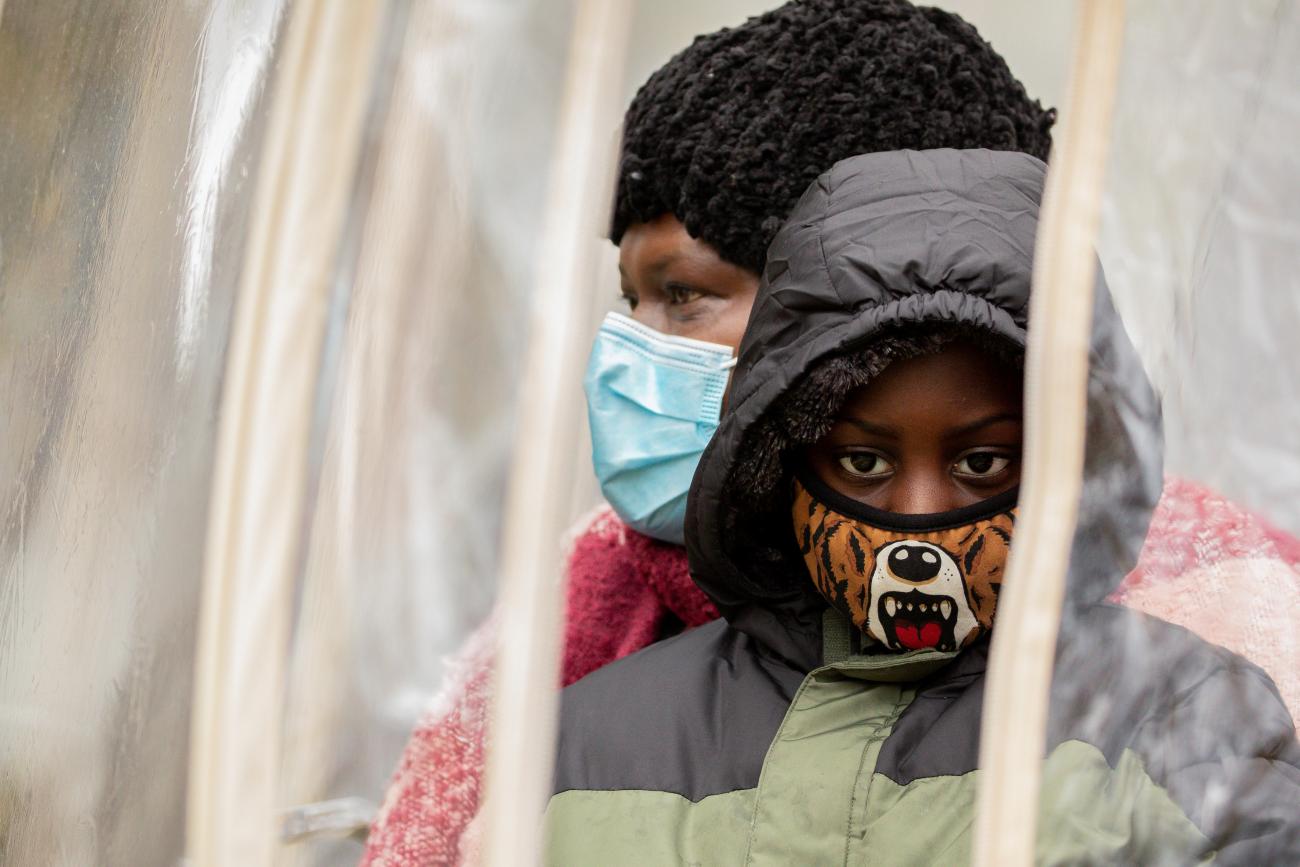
pixel 1012 738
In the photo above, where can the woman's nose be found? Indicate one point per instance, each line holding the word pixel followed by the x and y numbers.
pixel 652 315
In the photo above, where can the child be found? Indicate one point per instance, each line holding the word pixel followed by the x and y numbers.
pixel 851 519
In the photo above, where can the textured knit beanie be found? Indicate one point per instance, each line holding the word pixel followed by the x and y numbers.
pixel 730 132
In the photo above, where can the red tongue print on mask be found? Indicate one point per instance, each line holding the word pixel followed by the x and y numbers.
pixel 912 638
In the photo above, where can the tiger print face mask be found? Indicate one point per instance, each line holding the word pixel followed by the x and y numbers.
pixel 907 581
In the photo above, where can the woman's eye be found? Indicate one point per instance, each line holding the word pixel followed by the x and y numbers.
pixel 679 294
pixel 980 465
pixel 865 465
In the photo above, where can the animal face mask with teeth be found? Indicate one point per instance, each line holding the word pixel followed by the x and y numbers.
pixel 907 581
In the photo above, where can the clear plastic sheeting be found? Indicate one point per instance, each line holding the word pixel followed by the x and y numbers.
pixel 1190 514
pixel 128 141
pixel 130 138
pixel 1201 234
pixel 401 551
pixel 1201 243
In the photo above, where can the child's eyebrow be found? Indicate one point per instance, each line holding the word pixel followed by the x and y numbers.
pixel 870 428
pixel 982 423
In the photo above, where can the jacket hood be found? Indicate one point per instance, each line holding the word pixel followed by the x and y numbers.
pixel 878 243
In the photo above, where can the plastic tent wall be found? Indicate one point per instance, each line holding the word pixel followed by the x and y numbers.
pixel 1200 238
pixel 401 552
pixel 128 141
pixel 132 134
pixel 129 137
pixel 1198 241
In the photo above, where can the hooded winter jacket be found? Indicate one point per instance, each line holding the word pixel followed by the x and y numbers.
pixel 775 736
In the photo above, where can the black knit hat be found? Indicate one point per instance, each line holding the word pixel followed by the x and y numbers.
pixel 730 132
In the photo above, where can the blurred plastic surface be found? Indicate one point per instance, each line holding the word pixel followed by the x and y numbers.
pixel 401 557
pixel 1201 233
pixel 128 133
pixel 1199 242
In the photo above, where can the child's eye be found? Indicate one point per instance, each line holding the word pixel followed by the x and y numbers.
pixel 980 465
pixel 865 465
pixel 679 294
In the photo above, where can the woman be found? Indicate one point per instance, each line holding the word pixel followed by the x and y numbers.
pixel 718 146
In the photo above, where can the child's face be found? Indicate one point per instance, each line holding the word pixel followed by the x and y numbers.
pixel 928 435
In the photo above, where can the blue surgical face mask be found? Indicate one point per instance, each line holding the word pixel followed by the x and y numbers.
pixel 653 402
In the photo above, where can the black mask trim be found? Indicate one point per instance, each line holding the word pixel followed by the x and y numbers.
pixel 902 523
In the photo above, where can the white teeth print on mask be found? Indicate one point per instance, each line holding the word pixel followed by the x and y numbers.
pixel 928 584
pixel 653 402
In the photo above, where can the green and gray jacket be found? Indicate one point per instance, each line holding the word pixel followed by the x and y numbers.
pixel 770 738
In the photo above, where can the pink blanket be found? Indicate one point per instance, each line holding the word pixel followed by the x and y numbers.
pixel 1207 565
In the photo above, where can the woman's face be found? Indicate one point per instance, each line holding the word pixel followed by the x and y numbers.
pixel 927 435
pixel 678 285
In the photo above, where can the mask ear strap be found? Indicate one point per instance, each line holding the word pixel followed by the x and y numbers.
pixel 731 362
